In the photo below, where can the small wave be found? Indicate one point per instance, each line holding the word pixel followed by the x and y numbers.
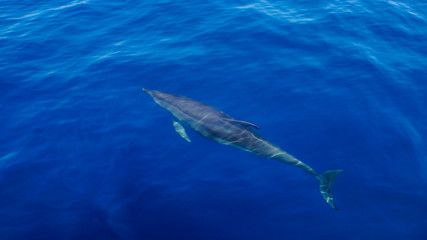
pixel 7 156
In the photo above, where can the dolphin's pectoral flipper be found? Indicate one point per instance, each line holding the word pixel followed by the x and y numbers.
pixel 326 180
pixel 180 130
pixel 242 122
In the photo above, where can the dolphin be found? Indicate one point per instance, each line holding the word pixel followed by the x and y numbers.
pixel 215 125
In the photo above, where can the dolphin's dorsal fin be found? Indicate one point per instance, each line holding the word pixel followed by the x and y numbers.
pixel 180 130
pixel 242 122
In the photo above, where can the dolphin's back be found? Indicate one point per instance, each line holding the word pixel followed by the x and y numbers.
pixel 186 109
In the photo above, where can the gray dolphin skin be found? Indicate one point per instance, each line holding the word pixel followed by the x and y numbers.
pixel 215 125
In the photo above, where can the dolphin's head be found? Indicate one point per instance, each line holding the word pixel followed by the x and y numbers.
pixel 154 94
pixel 160 98
pixel 146 90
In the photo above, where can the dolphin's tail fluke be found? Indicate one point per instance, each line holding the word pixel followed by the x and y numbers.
pixel 326 180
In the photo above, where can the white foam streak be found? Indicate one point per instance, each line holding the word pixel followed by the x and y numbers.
pixel 276 11
pixel 36 14
pixel 405 7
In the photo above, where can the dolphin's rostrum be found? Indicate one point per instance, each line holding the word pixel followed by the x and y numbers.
pixel 215 125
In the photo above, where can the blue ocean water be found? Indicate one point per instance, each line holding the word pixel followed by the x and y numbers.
pixel 85 154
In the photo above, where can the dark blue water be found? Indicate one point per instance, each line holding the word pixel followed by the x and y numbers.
pixel 85 154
